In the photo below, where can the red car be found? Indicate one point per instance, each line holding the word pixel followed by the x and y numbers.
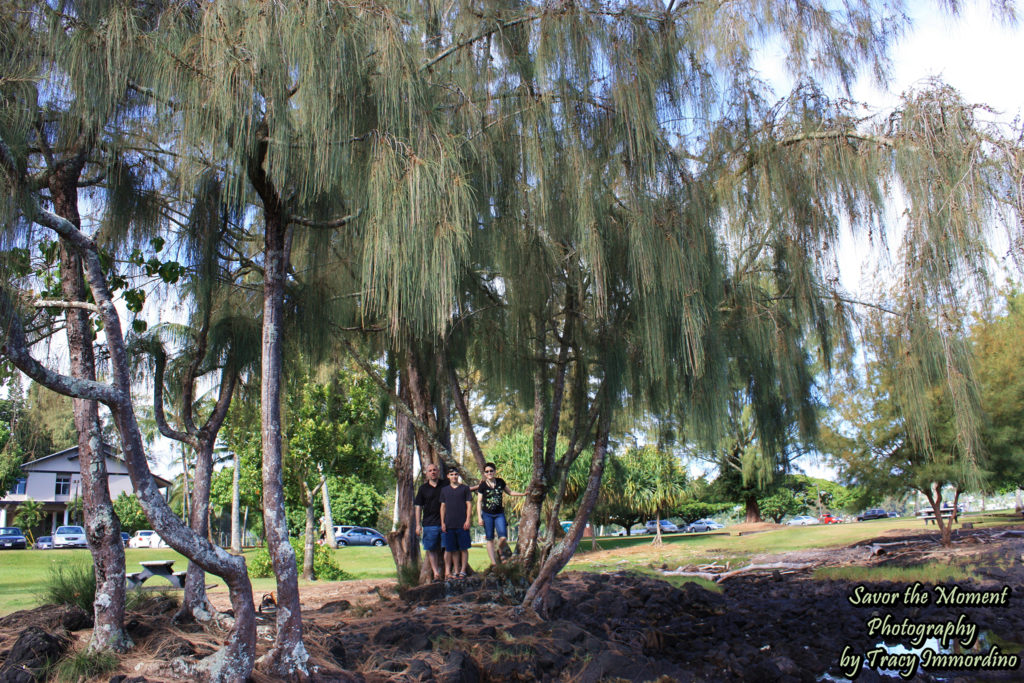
pixel 829 519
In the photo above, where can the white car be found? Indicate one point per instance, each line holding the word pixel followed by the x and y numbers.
pixel 146 538
pixel 69 537
pixel 803 520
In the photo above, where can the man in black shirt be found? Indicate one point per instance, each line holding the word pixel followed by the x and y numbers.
pixel 428 517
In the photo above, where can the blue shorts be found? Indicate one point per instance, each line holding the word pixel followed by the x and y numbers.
pixel 455 540
pixel 431 538
pixel 492 522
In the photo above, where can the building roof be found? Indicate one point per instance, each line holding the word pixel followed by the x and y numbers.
pixel 72 454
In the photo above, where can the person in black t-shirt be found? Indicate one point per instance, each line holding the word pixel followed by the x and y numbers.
pixel 490 510
pixel 428 517
pixel 455 508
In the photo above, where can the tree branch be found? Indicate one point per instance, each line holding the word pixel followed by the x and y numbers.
pixel 57 303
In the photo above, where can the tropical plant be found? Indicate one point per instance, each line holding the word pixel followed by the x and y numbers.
pixel 29 514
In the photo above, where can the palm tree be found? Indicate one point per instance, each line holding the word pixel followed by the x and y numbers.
pixel 654 483
pixel 29 515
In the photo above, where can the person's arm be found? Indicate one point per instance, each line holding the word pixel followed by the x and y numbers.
pixel 444 527
pixel 510 492
pixel 469 511
pixel 419 527
pixel 480 509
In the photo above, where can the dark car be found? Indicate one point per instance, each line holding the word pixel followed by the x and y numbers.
pixel 874 513
pixel 11 537
pixel 125 537
pixel 360 535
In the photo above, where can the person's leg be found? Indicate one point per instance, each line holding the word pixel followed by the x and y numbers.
pixel 464 543
pixel 501 529
pixel 432 556
pixel 432 547
pixel 489 535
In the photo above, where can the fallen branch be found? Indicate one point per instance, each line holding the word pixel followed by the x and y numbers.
pixel 718 577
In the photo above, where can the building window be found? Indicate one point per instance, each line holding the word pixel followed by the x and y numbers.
pixel 63 487
pixel 19 487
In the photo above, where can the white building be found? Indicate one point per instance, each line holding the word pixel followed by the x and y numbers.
pixel 55 481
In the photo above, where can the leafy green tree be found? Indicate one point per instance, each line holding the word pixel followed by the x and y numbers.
pixel 332 427
pixel 999 364
pixel 781 503
pixel 130 512
pixel 354 502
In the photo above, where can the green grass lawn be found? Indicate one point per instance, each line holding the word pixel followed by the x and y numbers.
pixel 22 572
pixel 684 549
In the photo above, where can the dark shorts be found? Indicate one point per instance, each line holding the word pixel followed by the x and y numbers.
pixel 494 523
pixel 454 540
pixel 431 538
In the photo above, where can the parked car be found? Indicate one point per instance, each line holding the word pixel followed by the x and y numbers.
pixel 828 518
pixel 873 513
pixel 667 527
pixel 44 543
pixel 146 538
pixel 702 525
pixel 895 513
pixel 360 535
pixel 11 537
pixel 803 520
pixel 69 537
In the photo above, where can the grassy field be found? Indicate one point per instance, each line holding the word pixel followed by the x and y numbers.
pixel 22 572
pixel 683 549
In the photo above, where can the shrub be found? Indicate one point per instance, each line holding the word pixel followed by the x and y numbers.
pixel 70 584
pixel 84 666
pixel 75 585
pixel 324 566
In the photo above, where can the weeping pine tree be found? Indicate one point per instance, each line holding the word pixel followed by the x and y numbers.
pixel 597 205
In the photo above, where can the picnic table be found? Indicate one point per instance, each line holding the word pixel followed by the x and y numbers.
pixel 930 517
pixel 157 568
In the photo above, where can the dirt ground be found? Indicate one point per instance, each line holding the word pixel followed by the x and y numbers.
pixel 772 625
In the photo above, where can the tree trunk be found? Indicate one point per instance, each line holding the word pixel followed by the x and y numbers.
pixel 402 541
pixel 288 657
pixel 309 538
pixel 329 538
pixel 537 593
pixel 102 527
pixel 235 662
pixel 195 606
pixel 236 501
pixel 536 491
pixel 186 497
pixel 657 534
pixel 934 496
pixel 753 511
